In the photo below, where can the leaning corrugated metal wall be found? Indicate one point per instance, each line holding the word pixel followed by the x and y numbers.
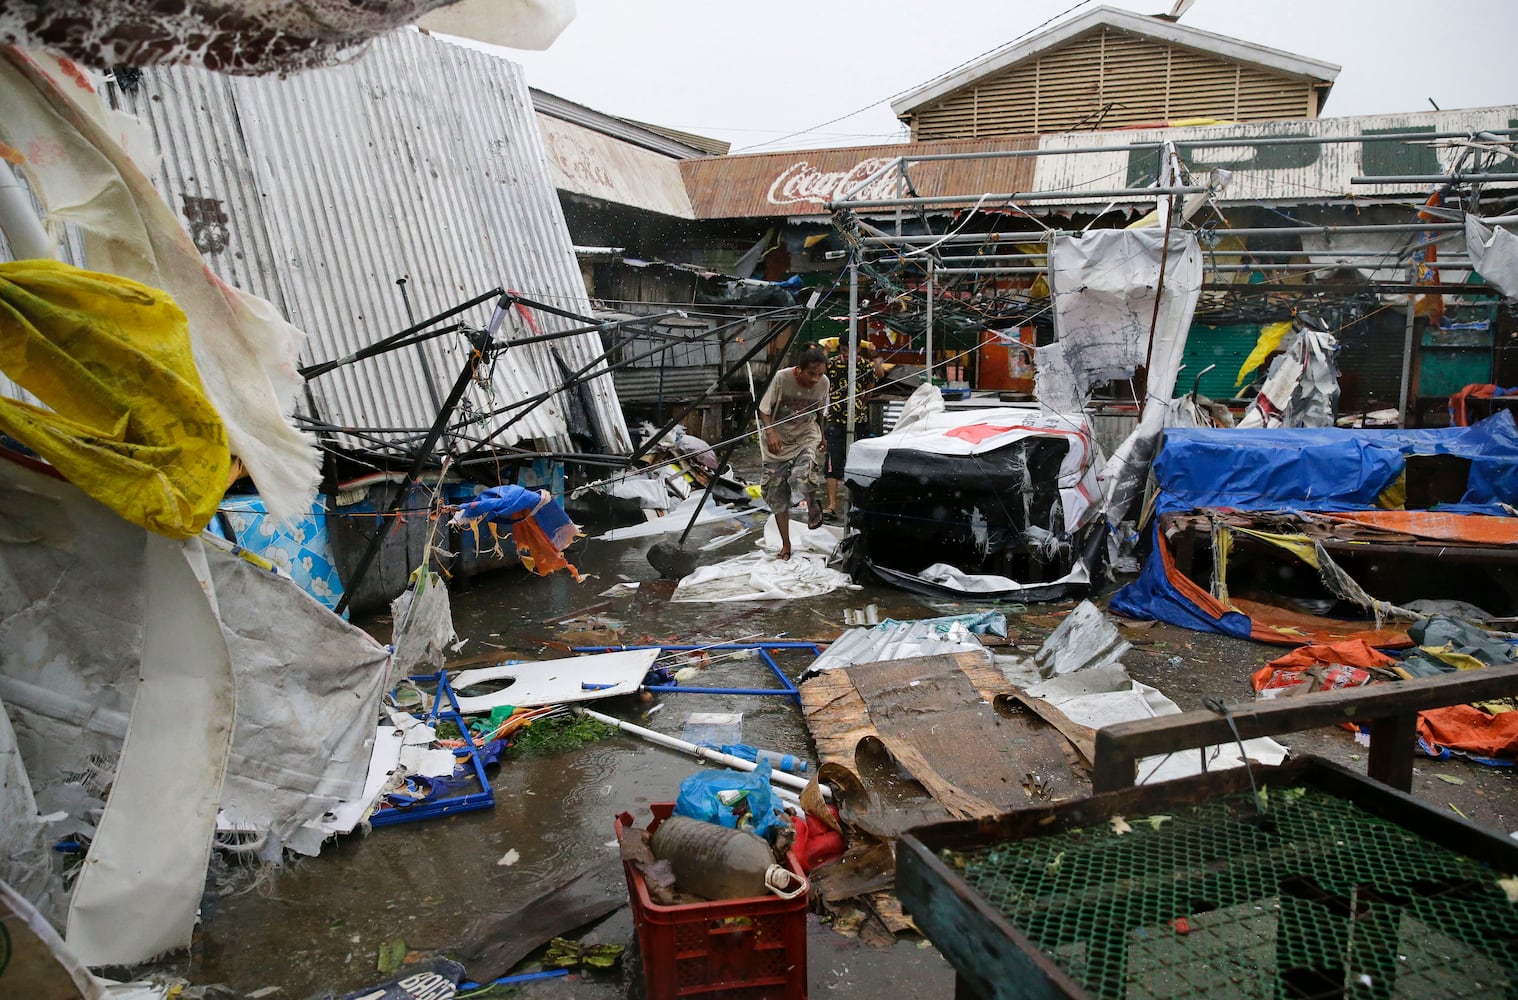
pixel 420 159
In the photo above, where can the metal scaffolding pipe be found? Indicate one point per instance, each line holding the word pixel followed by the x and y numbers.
pixel 960 199
pixel 1388 254
pixel 1218 268
pixel 1184 144
pixel 1432 178
pixel 1023 237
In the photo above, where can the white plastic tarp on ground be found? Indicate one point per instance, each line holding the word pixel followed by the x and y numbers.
pixel 1104 284
pixel 556 682
pixel 122 656
pixel 675 520
pixel 1104 696
pixel 760 576
pixel 1079 670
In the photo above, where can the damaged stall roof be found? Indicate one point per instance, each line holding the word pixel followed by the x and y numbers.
pixel 1297 534
pixel 994 503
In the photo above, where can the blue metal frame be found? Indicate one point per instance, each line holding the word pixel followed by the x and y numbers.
pixel 453 804
pixel 787 689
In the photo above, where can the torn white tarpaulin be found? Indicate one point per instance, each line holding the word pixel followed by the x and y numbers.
pixel 75 161
pixel 1302 387
pixel 1104 285
pixel 992 586
pixel 1494 252
pixel 34 961
pixel 760 576
pixel 974 434
pixel 1104 696
pixel 74 621
pixel 423 618
pixel 1079 670
pixel 555 682
pixel 138 891
pixel 25 855
pixel 676 519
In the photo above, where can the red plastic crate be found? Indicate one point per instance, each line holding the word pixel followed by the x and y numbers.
pixel 749 948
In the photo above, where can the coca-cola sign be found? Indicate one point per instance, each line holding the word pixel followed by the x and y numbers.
pixel 803 182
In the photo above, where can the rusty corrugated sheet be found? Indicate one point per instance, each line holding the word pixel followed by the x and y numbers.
pixel 319 191
pixel 800 183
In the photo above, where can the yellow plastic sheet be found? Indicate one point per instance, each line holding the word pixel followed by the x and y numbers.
pixel 127 419
pixel 1270 340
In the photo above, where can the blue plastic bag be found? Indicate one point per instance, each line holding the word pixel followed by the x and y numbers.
pixel 704 796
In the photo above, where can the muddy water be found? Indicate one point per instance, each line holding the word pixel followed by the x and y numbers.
pixel 318 924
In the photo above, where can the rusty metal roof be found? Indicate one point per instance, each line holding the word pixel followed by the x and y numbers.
pixel 795 183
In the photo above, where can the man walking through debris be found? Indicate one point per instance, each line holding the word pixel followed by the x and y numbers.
pixel 867 372
pixel 791 415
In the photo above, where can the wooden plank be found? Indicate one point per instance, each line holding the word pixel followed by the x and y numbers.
pixel 1082 737
pixel 1119 746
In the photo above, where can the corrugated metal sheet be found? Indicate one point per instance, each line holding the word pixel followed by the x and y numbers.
pixel 319 191
pixel 800 183
pixel 1304 173
pixel 598 166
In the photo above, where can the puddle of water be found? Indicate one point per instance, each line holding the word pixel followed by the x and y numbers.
pixel 318 924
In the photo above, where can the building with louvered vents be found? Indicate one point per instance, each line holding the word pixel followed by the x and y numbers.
pixel 1112 68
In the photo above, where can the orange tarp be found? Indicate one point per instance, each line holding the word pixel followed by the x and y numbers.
pixel 1278 626
pixel 1485 528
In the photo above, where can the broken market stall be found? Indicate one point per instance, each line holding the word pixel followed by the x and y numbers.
pixel 1286 535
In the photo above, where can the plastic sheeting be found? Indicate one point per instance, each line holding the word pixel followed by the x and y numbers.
pixel 244 351
pixel 1494 252
pixel 1328 469
pixel 987 502
pixel 759 576
pixel 113 666
pixel 1302 387
pixel 1106 695
pixel 1104 285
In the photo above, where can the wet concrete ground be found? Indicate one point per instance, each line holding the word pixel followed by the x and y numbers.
pixel 318 924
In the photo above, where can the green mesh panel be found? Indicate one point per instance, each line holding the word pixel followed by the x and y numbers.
pixel 1318 899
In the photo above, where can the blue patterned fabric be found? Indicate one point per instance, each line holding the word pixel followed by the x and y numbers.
pixel 301 549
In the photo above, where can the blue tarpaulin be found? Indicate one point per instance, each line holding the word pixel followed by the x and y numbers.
pixel 1327 468
pixel 1303 469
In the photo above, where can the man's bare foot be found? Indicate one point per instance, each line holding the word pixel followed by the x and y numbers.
pixel 785 553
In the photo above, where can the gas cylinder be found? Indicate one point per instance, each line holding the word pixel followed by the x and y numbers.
pixel 720 863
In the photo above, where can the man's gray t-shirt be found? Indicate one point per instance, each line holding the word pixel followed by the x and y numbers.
pixel 785 401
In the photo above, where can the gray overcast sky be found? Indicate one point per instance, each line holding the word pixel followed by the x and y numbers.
pixel 752 73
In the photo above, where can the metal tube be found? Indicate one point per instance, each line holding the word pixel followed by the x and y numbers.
pixel 1184 144
pixel 1431 178
pixel 1228 253
pixel 1395 227
pixel 705 753
pixel 1407 360
pixel 19 222
pixel 960 199
pixel 853 348
pixel 928 346
pixel 1217 268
